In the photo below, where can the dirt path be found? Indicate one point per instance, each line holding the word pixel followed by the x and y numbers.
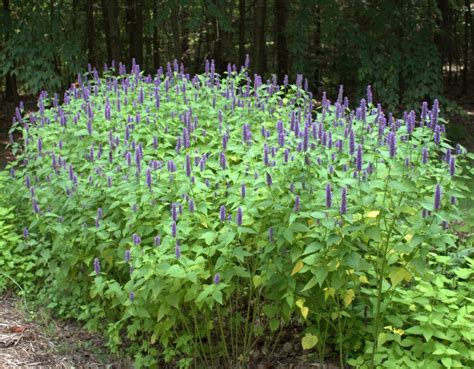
pixel 40 342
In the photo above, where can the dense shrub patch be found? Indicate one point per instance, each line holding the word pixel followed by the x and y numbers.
pixel 196 217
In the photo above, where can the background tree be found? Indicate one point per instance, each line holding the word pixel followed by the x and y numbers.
pixel 424 48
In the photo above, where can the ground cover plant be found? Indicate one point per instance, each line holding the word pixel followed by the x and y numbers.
pixel 197 218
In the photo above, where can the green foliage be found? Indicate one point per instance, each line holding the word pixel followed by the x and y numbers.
pixel 17 261
pixel 430 325
pixel 42 49
pixel 109 165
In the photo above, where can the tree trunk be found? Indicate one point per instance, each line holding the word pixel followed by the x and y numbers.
pixel 317 45
pixel 241 31
pixel 111 14
pixel 130 25
pixel 156 38
pixel 106 27
pixel 281 18
pixel 11 92
pixel 138 5
pixel 90 31
pixel 467 24
pixel 258 61
pixel 175 30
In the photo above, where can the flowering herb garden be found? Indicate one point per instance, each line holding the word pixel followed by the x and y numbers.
pixel 196 219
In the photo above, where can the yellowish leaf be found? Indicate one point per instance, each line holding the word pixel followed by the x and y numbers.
pixel 329 291
pixel 399 274
pixel 257 281
pixel 309 341
pixel 372 214
pixel 298 266
pixel 304 311
pixel 349 297
pixel 363 279
pixel 408 237
pixel 300 303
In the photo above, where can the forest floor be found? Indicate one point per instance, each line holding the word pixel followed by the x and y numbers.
pixel 30 339
pixel 36 340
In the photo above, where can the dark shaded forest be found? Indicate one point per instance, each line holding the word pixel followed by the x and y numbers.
pixel 408 50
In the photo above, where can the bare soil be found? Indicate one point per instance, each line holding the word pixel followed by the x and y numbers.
pixel 37 341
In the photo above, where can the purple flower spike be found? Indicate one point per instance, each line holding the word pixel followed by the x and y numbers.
pixel 453 200
pixel 270 234
pixel 97 266
pixel 424 155
pixel 35 206
pixel 217 278
pixel 328 196
pixel 269 179
pixel 392 144
pixel 100 213
pixel 177 250
pixel 223 161
pixel 148 178
pixel 173 229
pixel 359 158
pixel 437 197
pixel 369 95
pixel 452 166
pixel 243 190
pixel 136 239
pixel 222 213
pixel 239 216
pixel 127 256
pixel 192 206
pixel 25 232
pixel 437 135
pixel 188 166
pixel 343 209
pixel 132 296
pixel 40 145
pixel 297 204
pixel 157 241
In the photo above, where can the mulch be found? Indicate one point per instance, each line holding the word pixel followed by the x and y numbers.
pixel 34 341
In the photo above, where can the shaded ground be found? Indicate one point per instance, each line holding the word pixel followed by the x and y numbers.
pixel 39 342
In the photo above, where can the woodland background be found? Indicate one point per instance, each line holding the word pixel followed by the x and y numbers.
pixel 408 50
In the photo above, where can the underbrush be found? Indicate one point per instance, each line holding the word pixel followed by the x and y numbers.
pixel 197 218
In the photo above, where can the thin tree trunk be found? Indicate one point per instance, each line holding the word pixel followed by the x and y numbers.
pixel 175 30
pixel 317 41
pixel 11 92
pixel 259 39
pixel 156 38
pixel 90 31
pixel 130 23
pixel 106 27
pixel 138 5
pixel 114 28
pixel 241 31
pixel 281 18
pixel 467 24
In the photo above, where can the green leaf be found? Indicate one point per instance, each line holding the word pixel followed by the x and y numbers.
pixel 309 341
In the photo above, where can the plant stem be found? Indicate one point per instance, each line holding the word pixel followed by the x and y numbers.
pixel 379 289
